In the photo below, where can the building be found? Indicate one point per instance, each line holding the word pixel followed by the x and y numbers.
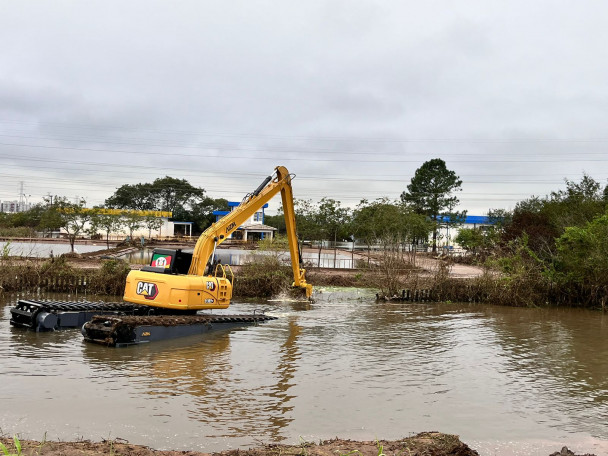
pixel 251 230
pixel 447 233
pixel 12 207
pixel 146 224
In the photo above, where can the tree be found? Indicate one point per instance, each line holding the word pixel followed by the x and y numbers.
pixel 334 220
pixel 578 204
pixel 377 221
pixel 50 220
pixel 543 220
pixel 430 193
pixel 202 211
pixel 387 223
pixel 132 221
pixel 30 218
pixel 278 222
pixel 139 197
pixel 176 195
pixel 106 222
pixel 582 260
pixel 470 239
pixel 307 222
pixel 73 218
pixel 152 223
pixel 164 194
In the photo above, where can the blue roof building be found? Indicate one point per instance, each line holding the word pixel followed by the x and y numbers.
pixel 448 233
pixel 253 228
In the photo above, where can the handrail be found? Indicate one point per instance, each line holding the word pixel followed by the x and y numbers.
pixel 223 268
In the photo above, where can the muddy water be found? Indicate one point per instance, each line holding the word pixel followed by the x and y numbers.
pixel 508 381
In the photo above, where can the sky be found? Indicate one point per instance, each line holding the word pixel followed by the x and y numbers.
pixel 352 96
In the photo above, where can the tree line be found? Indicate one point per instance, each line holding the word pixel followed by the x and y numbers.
pixel 556 242
pixel 126 211
pixel 427 204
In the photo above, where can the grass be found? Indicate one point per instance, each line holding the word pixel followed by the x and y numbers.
pixel 380 448
pixel 6 451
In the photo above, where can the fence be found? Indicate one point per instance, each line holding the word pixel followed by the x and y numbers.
pixel 338 263
pixel 59 284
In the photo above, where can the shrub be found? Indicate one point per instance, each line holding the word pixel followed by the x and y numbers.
pixel 264 276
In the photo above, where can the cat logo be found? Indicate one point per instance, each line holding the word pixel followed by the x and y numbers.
pixel 147 290
pixel 210 286
pixel 230 227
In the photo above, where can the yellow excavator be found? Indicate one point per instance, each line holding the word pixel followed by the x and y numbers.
pixel 163 299
pixel 181 281
pixel 167 295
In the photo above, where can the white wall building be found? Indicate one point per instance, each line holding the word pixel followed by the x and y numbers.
pixel 253 228
pixel 12 207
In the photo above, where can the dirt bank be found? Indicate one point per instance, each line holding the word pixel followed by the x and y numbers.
pixel 428 444
pixel 423 444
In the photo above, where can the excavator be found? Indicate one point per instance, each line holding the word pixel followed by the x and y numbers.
pixel 163 284
pixel 162 300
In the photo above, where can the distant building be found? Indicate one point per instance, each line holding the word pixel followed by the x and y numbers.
pixel 12 207
pixel 448 234
pixel 477 221
pixel 253 228
pixel 164 227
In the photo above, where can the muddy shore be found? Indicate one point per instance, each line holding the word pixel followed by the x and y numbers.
pixel 431 444
pixel 423 444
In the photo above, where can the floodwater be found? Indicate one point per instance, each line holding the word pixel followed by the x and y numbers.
pixel 509 381
pixel 46 249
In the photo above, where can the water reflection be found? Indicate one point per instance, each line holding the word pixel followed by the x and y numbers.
pixel 224 393
pixel 556 353
pixel 47 249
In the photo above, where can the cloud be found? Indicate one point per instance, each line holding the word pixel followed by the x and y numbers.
pixel 352 96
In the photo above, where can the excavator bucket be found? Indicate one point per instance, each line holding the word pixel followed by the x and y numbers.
pixel 302 292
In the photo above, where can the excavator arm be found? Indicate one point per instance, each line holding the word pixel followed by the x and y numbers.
pixel 161 287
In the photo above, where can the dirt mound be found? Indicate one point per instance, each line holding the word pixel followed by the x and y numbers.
pixel 428 444
pixel 423 444
pixel 566 452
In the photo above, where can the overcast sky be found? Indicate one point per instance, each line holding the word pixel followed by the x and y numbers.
pixel 350 95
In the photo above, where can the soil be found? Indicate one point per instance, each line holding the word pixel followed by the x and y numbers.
pixel 428 444
pixel 423 444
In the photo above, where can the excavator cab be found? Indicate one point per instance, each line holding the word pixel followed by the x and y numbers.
pixel 165 283
pixel 169 261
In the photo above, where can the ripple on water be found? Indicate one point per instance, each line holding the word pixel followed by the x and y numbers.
pixel 345 365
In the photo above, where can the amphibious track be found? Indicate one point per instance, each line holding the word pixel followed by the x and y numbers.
pixel 55 315
pixel 130 330
pixel 119 324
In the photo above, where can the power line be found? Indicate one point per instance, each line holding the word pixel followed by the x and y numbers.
pixel 323 178
pixel 310 138
pixel 291 150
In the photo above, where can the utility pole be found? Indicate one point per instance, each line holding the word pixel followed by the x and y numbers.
pixel 21 196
